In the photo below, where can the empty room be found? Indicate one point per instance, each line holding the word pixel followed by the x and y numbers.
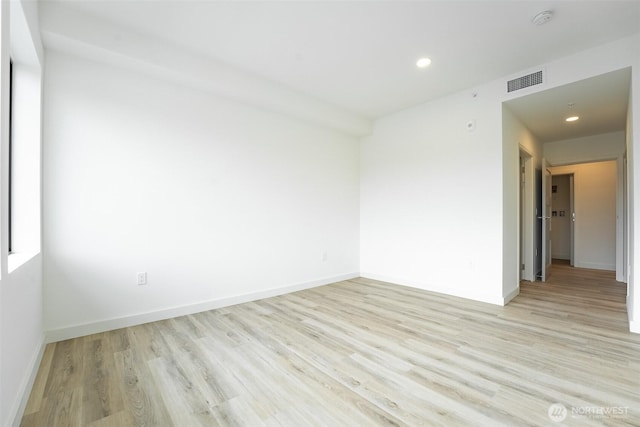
pixel 323 213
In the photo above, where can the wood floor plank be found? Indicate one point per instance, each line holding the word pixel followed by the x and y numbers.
pixel 147 341
pixel 101 392
pixel 359 353
pixel 189 404
pixel 65 372
pixel 38 390
pixel 142 397
pixel 308 380
pixel 118 419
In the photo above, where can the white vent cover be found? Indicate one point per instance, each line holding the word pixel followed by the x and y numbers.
pixel 525 81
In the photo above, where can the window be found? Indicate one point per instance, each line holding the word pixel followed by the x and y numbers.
pixel 23 102
pixel 23 171
pixel 10 157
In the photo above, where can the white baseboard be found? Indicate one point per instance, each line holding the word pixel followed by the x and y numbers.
pixel 595 266
pixel 634 325
pixel 27 384
pixel 497 300
pixel 75 331
pixel 511 295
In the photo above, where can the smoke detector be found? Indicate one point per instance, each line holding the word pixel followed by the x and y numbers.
pixel 542 17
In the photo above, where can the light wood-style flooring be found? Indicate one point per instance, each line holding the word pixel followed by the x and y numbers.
pixel 359 353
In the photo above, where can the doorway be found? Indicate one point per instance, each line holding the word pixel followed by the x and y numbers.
pixel 586 215
pixel 562 219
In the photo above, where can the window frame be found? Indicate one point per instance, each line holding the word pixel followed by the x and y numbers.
pixel 10 160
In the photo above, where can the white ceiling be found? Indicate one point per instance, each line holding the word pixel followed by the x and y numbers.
pixel 360 55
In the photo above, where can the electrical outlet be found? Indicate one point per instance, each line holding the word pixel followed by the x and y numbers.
pixel 142 278
pixel 324 256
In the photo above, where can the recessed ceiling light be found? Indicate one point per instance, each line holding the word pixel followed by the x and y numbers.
pixel 423 62
pixel 542 18
pixel 571 119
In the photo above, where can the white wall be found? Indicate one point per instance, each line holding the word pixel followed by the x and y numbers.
pixel 431 211
pixel 88 36
pixel 595 207
pixel 516 132
pixel 606 146
pixel 219 202
pixel 21 297
pixel 22 336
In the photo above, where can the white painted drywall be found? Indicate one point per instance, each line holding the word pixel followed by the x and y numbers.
pixel 21 296
pixel 431 199
pixel 595 207
pixel 22 336
pixel 91 37
pixel 592 148
pixel 212 198
pixel 561 221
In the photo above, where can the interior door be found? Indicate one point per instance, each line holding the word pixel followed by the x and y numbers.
pixel 573 217
pixel 546 221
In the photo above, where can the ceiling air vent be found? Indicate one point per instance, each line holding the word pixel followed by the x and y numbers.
pixel 524 81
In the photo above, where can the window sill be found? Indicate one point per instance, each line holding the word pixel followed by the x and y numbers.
pixel 18 259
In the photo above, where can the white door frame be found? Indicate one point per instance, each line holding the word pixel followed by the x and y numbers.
pixel 621 219
pixel 527 218
pixel 572 224
pixel 545 217
pixel 572 214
